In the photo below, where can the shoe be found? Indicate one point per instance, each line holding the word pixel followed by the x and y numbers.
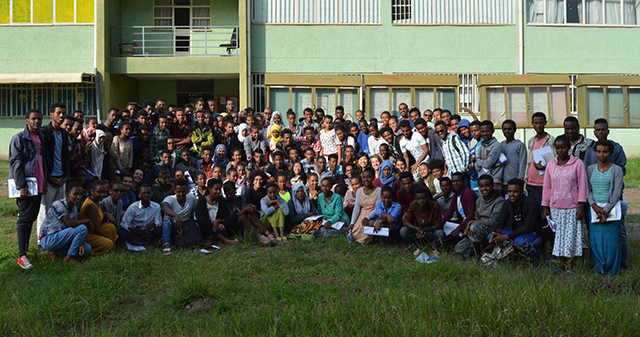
pixel 435 252
pixel 24 262
pixel 535 262
pixel 166 250
pixel 265 241
pixel 407 247
pixel 284 240
pixel 273 240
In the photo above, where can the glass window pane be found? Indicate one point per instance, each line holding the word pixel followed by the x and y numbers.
pixel 326 99
pixel 279 99
pixel 595 104
pixel 558 97
pixel 633 99
pixel 517 102
pixel 5 12
pixel 162 2
pixel 424 99
pixel 631 8
pixel 495 105
pixel 593 15
pixel 162 12
pixel 538 100
pixel 615 106
pixel 43 11
pixel 555 11
pixel 612 12
pixel 300 99
pixel 378 102
pixel 398 97
pixel 446 99
pixel 348 98
pixel 21 11
pixel 84 11
pixel 64 10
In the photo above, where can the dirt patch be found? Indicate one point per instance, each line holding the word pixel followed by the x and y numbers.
pixel 632 195
pixel 201 303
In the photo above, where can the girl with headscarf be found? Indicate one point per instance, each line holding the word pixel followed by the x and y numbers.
pixel 276 119
pixel 300 207
pixel 242 131
pixel 220 155
pixel 386 177
pixel 274 136
pixel 97 153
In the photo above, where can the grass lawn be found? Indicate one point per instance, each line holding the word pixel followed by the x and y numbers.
pixel 323 287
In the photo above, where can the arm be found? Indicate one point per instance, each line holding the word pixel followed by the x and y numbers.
pixel 336 205
pixel 495 214
pixel 408 219
pixel 372 215
pixel 522 164
pixel 339 151
pixel 157 218
pixel 396 212
pixel 451 210
pixel 283 206
pixel 195 137
pixel 469 208
pixel 529 215
pixel 265 208
pixel 617 180
pixel 115 149
pixel 546 186
pixel 208 141
pixel 92 213
pixel 75 223
pixel 490 161
pixel 356 208
pixel 246 143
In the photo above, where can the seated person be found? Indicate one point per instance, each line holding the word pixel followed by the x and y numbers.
pixel 389 215
pixel 162 187
pixel 211 214
pixel 240 217
pixel 218 172
pixel 445 197
pixel 300 207
pixel 350 197
pixel 113 203
pixel 274 209
pixel 277 166
pixel 256 162
pixel 321 168
pixel 101 231
pixel 488 209
pixel 165 164
pixel 128 196
pixel 142 222
pixel 519 221
pixel 386 177
pixel 312 187
pixel 308 163
pixel 283 190
pixel 61 232
pixel 186 164
pixel 461 215
pixel 435 171
pixel 330 206
pixel 177 208
pixel 334 168
pixel 232 175
pixel 422 222
pixel 405 196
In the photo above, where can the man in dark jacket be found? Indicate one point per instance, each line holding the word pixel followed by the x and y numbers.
pixel 27 159
pixel 56 145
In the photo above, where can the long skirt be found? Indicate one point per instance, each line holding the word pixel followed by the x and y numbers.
pixel 606 247
pixel 569 233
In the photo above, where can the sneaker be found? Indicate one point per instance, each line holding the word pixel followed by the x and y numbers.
pixel 24 262
pixel 265 241
pixel 166 250
pixel 273 240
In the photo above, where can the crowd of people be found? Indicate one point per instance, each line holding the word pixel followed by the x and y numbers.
pixel 157 174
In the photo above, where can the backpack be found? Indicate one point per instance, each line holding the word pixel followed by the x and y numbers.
pixel 189 235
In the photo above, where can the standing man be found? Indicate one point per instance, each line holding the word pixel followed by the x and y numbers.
pixel 230 107
pixel 403 109
pixel 579 143
pixel 455 153
pixel 414 143
pixel 27 159
pixel 601 131
pixel 56 144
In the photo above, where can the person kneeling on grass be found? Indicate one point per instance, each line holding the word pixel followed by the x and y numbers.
pixel 519 222
pixel 142 222
pixel 61 233
pixel 274 210
pixel 423 222
pixel 389 215
pixel 210 214
pixel 177 208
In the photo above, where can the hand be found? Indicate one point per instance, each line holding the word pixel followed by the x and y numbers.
pixel 539 166
pixel 249 209
pixel 498 238
pixel 81 250
pixel 350 227
pixel 580 213
pixel 420 233
pixel 545 212
pixel 135 230
pixel 414 167
pixel 465 233
pixel 311 214
pixel 149 227
pixel 455 232
pixel 471 166
pixel 328 224
pixel 365 222
pixel 87 148
pixel 376 228
pixel 178 222
pixel 110 218
pixel 24 193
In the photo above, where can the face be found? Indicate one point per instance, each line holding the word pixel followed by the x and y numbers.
pixel 291 119
pixel 237 156
pixel 422 200
pixel 325 186
pixel 341 135
pixel 363 161
pixel 241 171
pixel 282 182
pixel 438 173
pixel 406 132
pixel 572 130
pixel 287 139
pixel 58 115
pixel 423 170
pixel 126 183
pixel 321 164
pixel 486 188
pixel 454 124
pixel 374 131
pixel 216 191
pixel 77 128
pixel 126 131
pixel 272 192
pixel 165 158
pixel 562 150
pixel 221 153
pixel 179 174
pixel 278 161
pixel 414 115
pixel 201 180
pixel 294 155
pixel 277 119
pixel 319 114
pixel 300 195
pixel 386 171
pixel 387 198
pixel 445 186
pixel 457 183
pixel 308 115
pixel 375 163
pixel 354 131
pixel 171 144
pixel 538 124
pixel 441 131
pixel 313 181
pixel 206 156
pixel 474 130
pixel 601 131
pixel 464 131
pixel 233 175
pixel 255 133
pixel 486 132
pixel 74 196
pixel 364 127
pixel 428 115
pixel 162 124
pixel 388 136
pixel 385 119
pixel 144 134
pixel 257 182
pixel 275 134
pixel 199 117
pixel 212 106
pixel 231 105
pixel 126 116
pixel 514 192
pixel 367 179
pixel 180 116
pixel 355 184
pixel 393 123
pixel 602 153
pixel 217 173
pixel 508 130
pixel 348 171
pixel 401 166
pixel 359 115
pixel 99 192
pixel 185 156
pixel 422 129
pixel 446 117
pixel 436 115
pixel 138 176
pixel 297 168
pixel 326 124
pixel 384 151
pixel 160 105
pixel 348 153
pixel 407 184
pixel 67 124
pixel 200 105
pixel 309 155
pixel 403 109
pixel 257 157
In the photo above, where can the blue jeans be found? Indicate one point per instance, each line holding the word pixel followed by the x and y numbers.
pixel 526 243
pixel 67 241
pixel 167 227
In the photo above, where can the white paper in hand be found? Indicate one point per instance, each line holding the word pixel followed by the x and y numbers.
pixel 337 226
pixel 32 186
pixel 614 215
pixel 135 248
pixel 449 227
pixel 371 231
pixel 314 217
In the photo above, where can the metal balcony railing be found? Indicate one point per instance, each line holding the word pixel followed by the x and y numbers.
pixel 148 41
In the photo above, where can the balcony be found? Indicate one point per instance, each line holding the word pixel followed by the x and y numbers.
pixel 174 41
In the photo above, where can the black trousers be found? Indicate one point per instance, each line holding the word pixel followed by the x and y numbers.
pixel 27 214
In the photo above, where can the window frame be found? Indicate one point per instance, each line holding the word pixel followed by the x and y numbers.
pixel 368 112
pixel 583 16
pixel 339 17
pixel 605 82
pixel 300 114
pixel 58 92
pixel 53 17
pixel 470 13
pixel 173 6
pixel 524 81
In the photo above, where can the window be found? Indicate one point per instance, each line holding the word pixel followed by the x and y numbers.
pixel 586 12
pixel 299 98
pixel 382 99
pixel 17 99
pixel 316 11
pixel 168 13
pixel 616 98
pixel 454 12
pixel 33 12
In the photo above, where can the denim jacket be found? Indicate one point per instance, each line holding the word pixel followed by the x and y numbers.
pixel 23 157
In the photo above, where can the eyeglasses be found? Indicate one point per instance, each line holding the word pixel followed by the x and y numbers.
pixel 429 116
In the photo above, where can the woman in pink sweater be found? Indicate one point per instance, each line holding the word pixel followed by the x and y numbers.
pixel 564 196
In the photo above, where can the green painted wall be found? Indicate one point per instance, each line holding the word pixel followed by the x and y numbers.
pixel 579 50
pixel 175 65
pixel 226 87
pixel 124 89
pixel 47 49
pixel 155 89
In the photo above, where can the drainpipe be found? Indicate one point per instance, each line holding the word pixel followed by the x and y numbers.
pixel 248 46
pixel 521 37
pixel 96 80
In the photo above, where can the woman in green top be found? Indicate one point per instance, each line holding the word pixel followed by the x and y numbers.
pixel 330 206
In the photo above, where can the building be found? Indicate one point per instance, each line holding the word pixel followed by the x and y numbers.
pixel 501 58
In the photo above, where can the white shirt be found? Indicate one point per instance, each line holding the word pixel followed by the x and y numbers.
pixel 139 216
pixel 185 211
pixel 414 146
pixel 374 144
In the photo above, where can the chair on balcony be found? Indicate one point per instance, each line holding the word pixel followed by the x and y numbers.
pixel 233 44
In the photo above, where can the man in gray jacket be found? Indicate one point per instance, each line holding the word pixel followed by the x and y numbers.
pixel 27 159
pixel 488 208
pixel 488 156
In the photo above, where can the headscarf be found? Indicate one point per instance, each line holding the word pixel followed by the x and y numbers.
pixel 216 159
pixel 97 153
pixel 270 136
pixel 242 126
pixel 304 207
pixel 387 181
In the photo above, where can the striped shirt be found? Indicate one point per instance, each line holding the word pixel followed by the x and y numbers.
pixel 456 154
